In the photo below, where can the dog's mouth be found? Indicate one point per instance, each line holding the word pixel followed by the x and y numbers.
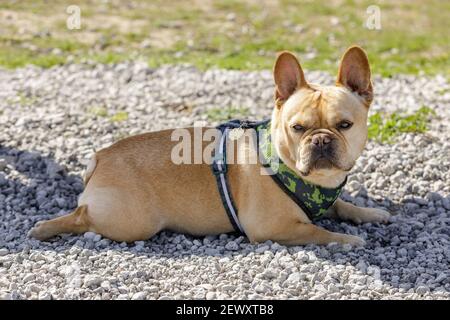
pixel 318 162
pixel 323 162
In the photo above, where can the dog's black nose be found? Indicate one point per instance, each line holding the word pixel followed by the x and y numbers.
pixel 321 139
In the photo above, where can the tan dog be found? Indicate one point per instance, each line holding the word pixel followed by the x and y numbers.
pixel 134 190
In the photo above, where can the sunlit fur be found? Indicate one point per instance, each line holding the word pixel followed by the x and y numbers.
pixel 320 109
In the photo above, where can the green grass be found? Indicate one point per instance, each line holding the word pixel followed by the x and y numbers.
pixel 99 111
pixel 384 128
pixel 221 114
pixel 25 100
pixel 231 34
pixel 102 112
pixel 13 58
pixel 22 100
pixel 119 116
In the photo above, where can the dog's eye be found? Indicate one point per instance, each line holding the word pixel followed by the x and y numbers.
pixel 298 127
pixel 344 125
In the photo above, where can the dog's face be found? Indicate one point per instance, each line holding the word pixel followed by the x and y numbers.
pixel 321 130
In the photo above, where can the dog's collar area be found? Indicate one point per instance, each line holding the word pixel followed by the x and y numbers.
pixel 314 200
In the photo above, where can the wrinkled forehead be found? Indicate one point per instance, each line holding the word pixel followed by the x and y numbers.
pixel 323 104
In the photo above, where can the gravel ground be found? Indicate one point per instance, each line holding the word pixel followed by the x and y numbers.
pixel 50 124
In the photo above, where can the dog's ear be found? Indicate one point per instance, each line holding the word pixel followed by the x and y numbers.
pixel 288 76
pixel 354 73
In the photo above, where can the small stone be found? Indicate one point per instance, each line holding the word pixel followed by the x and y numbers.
pixel 262 249
pixel 398 177
pixel 433 196
pixel 362 266
pixel 29 277
pixel 261 289
pixel 232 246
pixel 153 289
pixel 229 287
pixel 44 295
pixel 440 278
pixel 223 236
pixel 270 274
pixel 421 201
pixel 402 252
pixel 211 251
pixel 446 203
pixel 5 295
pixel 255 296
pixel 388 169
pixel 92 281
pixel 422 290
pixel 3 180
pixel 347 247
pixel 61 202
pixel 276 246
pixel 139 296
pixel 2 164
pixel 293 278
pixel 139 243
pixel 53 169
pixel 210 295
pixel 354 185
pixel 13 286
pixel 89 235
pixel 3 252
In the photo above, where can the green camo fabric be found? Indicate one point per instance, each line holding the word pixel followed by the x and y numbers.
pixel 313 199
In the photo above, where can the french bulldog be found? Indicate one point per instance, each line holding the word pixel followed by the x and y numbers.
pixel 133 189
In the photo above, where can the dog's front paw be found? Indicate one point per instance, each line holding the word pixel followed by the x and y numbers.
pixel 364 215
pixel 352 240
pixel 376 215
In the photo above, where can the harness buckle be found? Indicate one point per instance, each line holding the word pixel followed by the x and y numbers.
pixel 219 166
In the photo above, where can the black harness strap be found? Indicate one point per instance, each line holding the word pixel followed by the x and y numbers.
pixel 219 168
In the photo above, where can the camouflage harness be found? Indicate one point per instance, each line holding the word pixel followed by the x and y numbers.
pixel 314 200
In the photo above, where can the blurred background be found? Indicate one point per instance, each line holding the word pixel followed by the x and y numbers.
pixel 412 36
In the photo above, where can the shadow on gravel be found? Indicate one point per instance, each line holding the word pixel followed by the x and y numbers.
pixel 35 187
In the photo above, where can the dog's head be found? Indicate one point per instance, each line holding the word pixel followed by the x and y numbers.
pixel 320 131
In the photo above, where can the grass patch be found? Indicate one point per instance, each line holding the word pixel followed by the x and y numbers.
pixel 384 128
pixel 99 111
pixel 16 58
pixel 221 114
pixel 119 116
pixel 22 99
pixel 25 100
pixel 231 34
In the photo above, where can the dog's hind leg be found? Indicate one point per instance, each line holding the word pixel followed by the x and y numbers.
pixel 76 222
